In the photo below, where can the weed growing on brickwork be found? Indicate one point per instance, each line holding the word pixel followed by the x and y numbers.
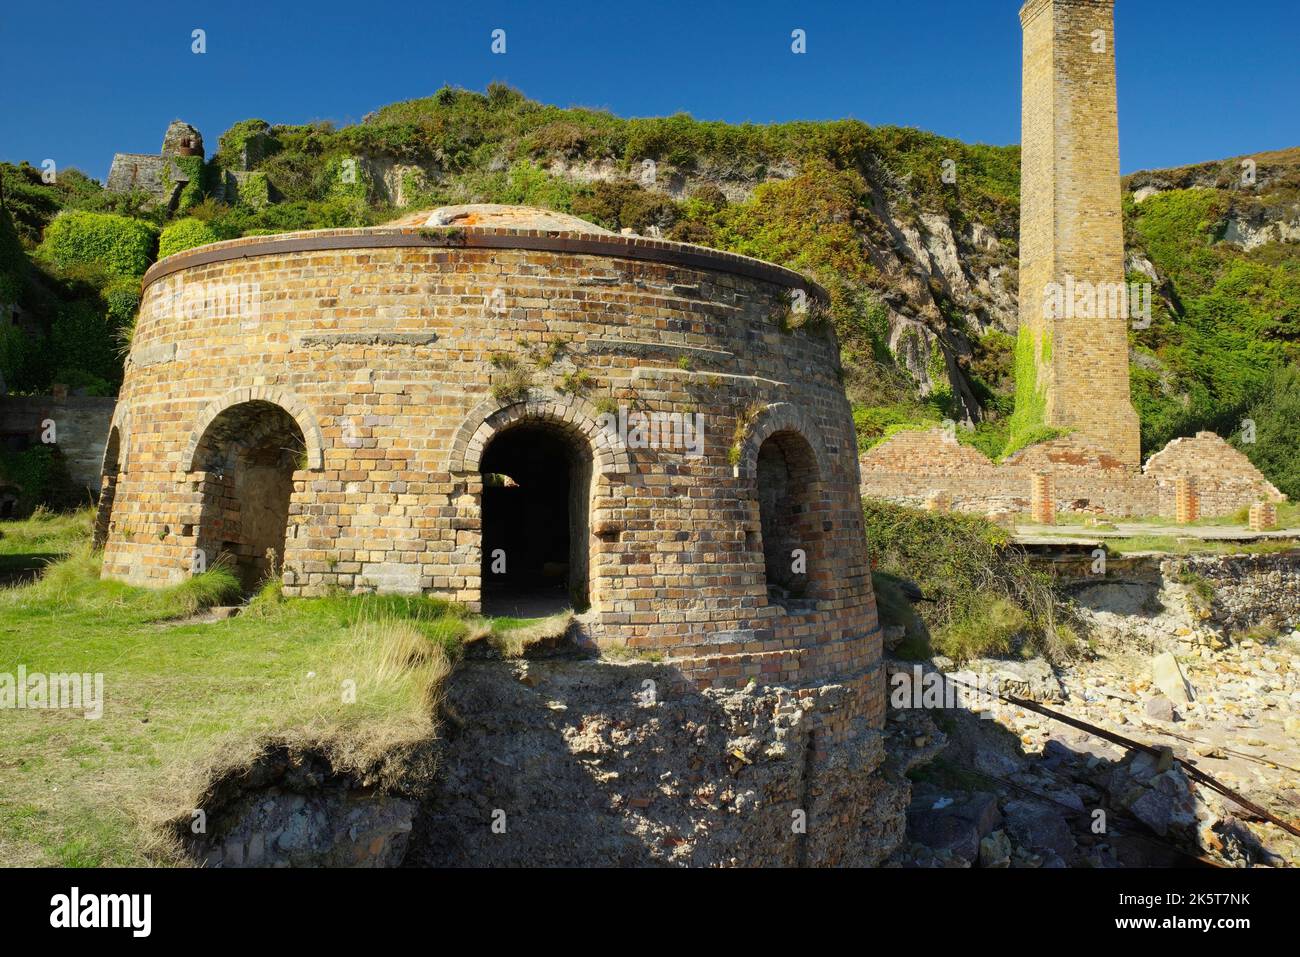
pixel 1028 423
pixel 576 383
pixel 513 381
pixel 743 423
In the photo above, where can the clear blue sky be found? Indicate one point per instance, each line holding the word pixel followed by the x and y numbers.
pixel 79 80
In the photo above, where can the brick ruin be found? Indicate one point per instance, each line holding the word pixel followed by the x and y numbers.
pixel 915 467
pixel 393 409
pixel 1071 242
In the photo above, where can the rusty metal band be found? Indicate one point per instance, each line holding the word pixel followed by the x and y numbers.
pixel 675 254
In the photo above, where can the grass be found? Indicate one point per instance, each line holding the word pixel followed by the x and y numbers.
pixel 1173 545
pixel 986 598
pixel 27 546
pixel 1288 516
pixel 187 701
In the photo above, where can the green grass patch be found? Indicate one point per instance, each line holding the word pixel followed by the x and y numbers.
pixel 187 700
pixel 1174 545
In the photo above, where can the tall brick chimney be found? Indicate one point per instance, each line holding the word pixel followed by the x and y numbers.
pixel 1071 226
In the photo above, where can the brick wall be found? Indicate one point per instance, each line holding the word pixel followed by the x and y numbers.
pixel 80 429
pixel 1224 479
pixel 383 356
pixel 909 467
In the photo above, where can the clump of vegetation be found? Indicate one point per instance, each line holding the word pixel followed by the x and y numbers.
pixel 1028 425
pixel 1227 321
pixel 986 599
pixel 515 637
pixel 895 608
pixel 576 383
pixel 40 476
pixel 1266 632
pixel 1275 450
pixel 120 245
pixel 744 421
pixel 184 234
pixel 512 381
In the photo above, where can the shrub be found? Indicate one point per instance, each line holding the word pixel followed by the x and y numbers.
pixel 1276 449
pixel 254 190
pixel 121 301
pixel 13 262
pixel 83 347
pixel 23 363
pixel 41 476
pixel 184 234
pixel 122 246
pixel 232 142
pixel 984 593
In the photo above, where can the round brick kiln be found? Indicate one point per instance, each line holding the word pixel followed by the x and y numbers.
pixel 515 409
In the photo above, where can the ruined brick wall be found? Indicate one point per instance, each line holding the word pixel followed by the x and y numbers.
pixel 80 427
pixel 909 467
pixel 1070 218
pixel 1224 479
pixel 381 343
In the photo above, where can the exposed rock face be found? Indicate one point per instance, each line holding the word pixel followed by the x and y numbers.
pixel 293 809
pixel 580 763
pixel 598 763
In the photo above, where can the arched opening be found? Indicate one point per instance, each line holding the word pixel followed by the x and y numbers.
pixel 536 502
pixel 108 487
pixel 790 520
pixel 245 463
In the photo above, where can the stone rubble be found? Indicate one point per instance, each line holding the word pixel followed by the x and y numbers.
pixel 1176 673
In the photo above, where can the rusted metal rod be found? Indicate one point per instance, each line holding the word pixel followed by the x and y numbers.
pixel 1195 773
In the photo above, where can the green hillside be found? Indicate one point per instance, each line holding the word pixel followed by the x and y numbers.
pixel 914 235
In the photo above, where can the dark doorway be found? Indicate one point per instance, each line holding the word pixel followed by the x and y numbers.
pixel 536 486
pixel 246 460
pixel 789 515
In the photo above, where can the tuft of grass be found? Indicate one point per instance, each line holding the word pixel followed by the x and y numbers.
pixel 29 545
pixel 1264 633
pixel 513 637
pixel 983 627
pixel 47 532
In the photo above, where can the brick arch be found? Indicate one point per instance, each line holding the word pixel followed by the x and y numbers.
pixel 122 423
pixel 286 400
pixel 570 414
pixel 773 419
